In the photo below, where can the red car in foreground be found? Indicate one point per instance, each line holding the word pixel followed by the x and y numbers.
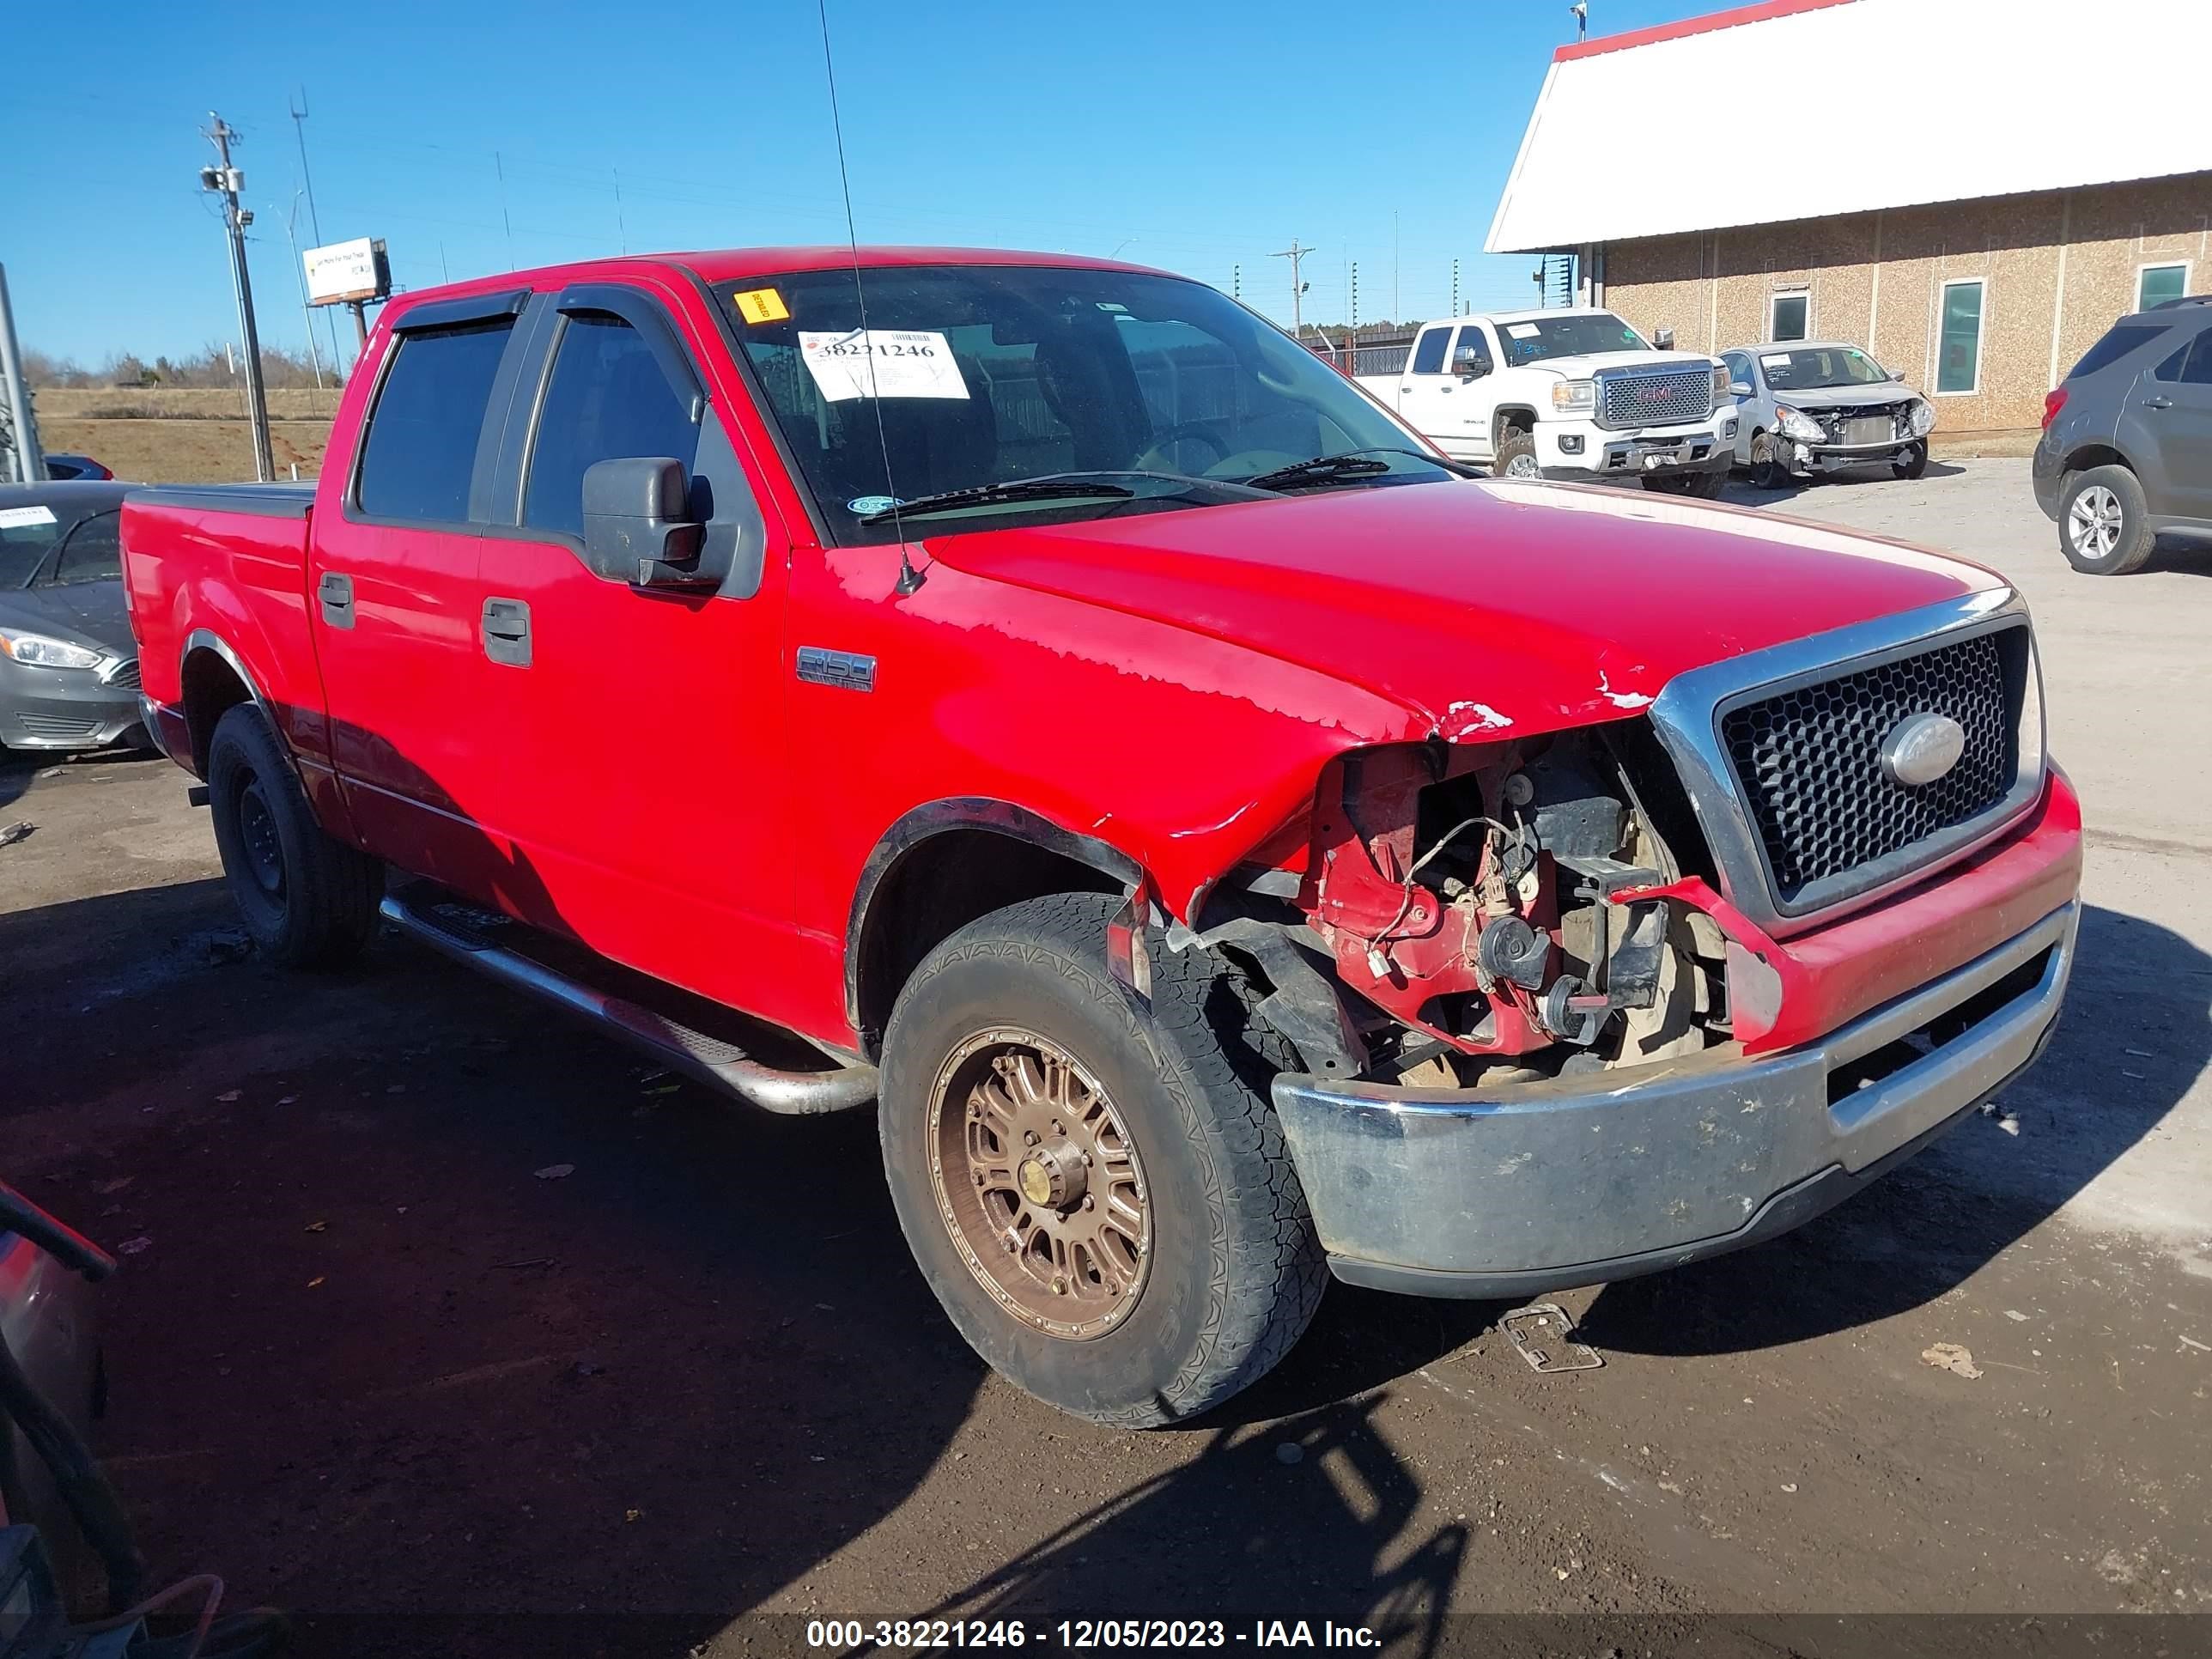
pixel 1234 847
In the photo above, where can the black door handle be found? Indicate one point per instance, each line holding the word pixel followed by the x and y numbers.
pixel 335 590
pixel 506 632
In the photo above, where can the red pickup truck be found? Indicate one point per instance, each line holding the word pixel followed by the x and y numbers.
pixel 1233 846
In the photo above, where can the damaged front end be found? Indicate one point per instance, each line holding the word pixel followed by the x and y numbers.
pixel 1540 1048
pixel 1483 914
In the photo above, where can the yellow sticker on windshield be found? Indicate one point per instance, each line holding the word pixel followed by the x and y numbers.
pixel 761 305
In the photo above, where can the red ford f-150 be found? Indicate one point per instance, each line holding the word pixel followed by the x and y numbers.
pixel 1038 693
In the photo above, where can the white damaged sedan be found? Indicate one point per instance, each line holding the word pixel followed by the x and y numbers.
pixel 1808 407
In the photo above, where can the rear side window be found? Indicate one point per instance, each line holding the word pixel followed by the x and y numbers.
pixel 1429 356
pixel 421 449
pixel 2119 340
pixel 91 554
pixel 2197 371
pixel 608 400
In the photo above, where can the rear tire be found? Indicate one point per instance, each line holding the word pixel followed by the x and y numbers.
pixel 1516 456
pixel 308 901
pixel 2104 522
pixel 1016 1017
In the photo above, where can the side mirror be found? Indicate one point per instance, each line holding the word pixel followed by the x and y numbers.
pixel 1662 339
pixel 637 523
pixel 1471 369
pixel 1740 389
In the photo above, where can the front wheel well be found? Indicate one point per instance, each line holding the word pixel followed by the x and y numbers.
pixel 1516 418
pixel 937 886
pixel 212 688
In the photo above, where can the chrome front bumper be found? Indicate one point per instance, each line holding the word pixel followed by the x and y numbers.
pixel 1584 1180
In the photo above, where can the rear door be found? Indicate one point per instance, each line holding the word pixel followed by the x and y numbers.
pixel 2172 408
pixel 392 589
pixel 1426 389
pixel 640 798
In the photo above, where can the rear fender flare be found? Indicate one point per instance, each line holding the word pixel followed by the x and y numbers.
pixel 203 639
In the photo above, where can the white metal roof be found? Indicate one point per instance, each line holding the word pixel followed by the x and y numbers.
pixel 1798 109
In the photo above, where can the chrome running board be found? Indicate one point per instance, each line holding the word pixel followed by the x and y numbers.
pixel 713 1062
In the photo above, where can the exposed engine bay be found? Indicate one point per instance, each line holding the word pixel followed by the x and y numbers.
pixel 1481 914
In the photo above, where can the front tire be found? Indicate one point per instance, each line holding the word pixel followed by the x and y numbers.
pixel 1911 461
pixel 1768 471
pixel 307 900
pixel 1516 457
pixel 1099 1196
pixel 1705 486
pixel 2104 522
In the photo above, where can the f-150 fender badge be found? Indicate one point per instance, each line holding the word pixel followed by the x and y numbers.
pixel 848 669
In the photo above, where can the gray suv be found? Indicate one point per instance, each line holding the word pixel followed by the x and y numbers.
pixel 2126 452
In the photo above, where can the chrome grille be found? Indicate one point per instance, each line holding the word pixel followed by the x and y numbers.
pixel 1808 761
pixel 1666 396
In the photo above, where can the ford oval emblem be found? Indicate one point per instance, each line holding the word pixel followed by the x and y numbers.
pixel 1921 748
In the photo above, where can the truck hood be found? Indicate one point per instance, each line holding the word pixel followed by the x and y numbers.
pixel 1481 608
pixel 1881 394
pixel 1590 362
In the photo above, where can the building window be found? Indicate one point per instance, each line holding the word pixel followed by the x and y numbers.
pixel 1958 350
pixel 1791 313
pixel 2156 284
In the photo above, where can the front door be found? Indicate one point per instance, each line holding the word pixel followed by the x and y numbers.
pixel 392 591
pixel 1476 398
pixel 641 798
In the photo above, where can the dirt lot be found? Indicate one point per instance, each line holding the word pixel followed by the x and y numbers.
pixel 374 1362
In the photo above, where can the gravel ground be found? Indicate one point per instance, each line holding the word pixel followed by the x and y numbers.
pixel 374 1363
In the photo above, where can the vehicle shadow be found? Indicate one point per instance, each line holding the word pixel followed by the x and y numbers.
pixel 1938 1219
pixel 1742 491
pixel 1242 1533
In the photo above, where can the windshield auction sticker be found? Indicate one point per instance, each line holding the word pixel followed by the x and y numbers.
pixel 881 362
pixel 14 518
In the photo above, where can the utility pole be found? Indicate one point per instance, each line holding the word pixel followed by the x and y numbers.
pixel 314 219
pixel 227 181
pixel 23 432
pixel 1295 254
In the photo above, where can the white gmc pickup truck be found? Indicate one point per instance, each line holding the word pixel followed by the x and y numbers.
pixel 1566 394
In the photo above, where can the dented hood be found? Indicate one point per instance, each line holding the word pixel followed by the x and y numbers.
pixel 1481 608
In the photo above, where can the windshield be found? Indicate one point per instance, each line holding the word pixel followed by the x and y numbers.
pixel 1576 336
pixel 989 374
pixel 1809 368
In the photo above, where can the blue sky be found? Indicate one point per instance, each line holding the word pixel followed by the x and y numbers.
pixel 1198 137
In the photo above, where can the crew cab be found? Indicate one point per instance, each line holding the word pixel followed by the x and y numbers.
pixel 1037 696
pixel 1566 394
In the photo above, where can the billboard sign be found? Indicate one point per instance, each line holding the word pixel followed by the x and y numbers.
pixel 346 271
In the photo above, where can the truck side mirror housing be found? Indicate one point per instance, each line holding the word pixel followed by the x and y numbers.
pixel 1662 339
pixel 638 526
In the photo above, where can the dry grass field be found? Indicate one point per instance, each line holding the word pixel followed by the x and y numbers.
pixel 169 434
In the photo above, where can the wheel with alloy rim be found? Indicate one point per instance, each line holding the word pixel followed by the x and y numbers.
pixel 1094 1187
pixel 1039 1182
pixel 2104 522
pixel 306 899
